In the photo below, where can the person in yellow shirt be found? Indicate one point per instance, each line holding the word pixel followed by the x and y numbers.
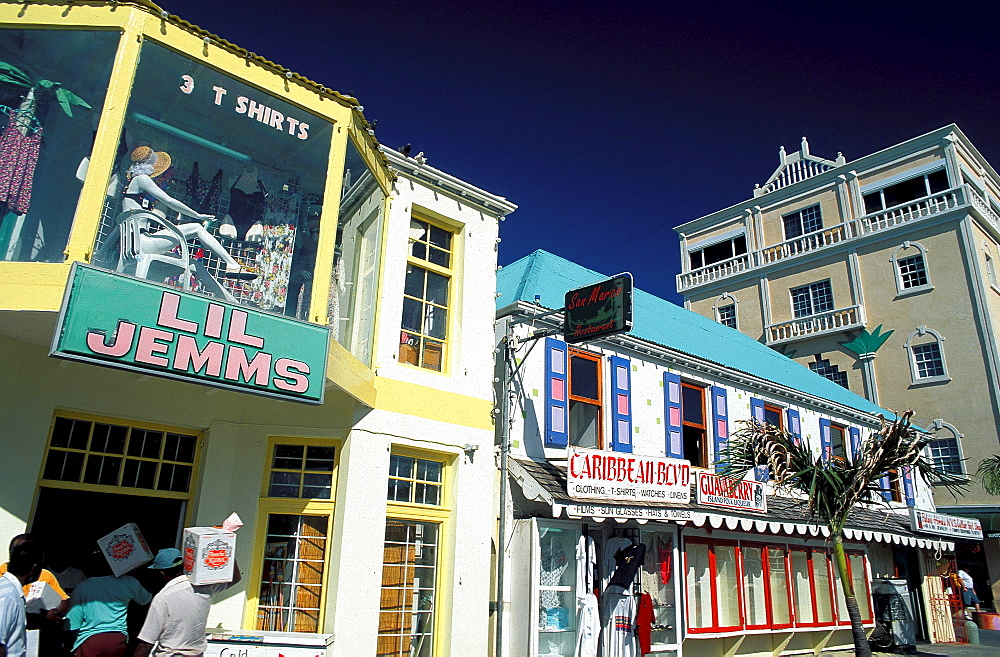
pixel 45 576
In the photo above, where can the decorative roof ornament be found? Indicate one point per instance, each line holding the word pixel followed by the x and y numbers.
pixel 795 167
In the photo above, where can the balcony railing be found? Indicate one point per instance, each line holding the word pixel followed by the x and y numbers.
pixel 876 222
pixel 834 321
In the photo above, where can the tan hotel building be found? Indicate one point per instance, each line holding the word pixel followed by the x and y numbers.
pixel 880 274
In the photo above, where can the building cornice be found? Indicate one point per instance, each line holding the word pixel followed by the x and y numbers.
pixel 445 182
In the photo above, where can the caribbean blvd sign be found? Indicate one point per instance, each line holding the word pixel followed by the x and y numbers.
pixel 128 323
pixel 597 310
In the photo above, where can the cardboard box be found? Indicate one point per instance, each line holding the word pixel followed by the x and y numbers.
pixel 125 549
pixel 209 555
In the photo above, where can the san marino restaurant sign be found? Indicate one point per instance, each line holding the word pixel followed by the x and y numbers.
pixel 123 322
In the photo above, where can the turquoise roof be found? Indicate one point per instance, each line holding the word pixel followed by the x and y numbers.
pixel 657 320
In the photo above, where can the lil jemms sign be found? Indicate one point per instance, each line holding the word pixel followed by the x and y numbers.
pixel 124 322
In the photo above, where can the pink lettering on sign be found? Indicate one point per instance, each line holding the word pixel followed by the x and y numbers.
pixel 150 344
pixel 169 303
pixel 253 371
pixel 188 356
pixel 238 330
pixel 292 375
pixel 121 340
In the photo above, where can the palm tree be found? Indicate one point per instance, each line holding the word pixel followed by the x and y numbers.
pixel 989 474
pixel 834 486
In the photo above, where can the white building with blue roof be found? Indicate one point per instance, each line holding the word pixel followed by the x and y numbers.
pixel 591 427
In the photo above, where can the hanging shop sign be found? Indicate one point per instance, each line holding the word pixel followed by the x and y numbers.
pixel 119 321
pixel 943 525
pixel 727 493
pixel 593 474
pixel 620 511
pixel 598 310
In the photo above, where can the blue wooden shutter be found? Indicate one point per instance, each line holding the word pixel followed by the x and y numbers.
pixel 556 406
pixel 761 472
pixel 621 404
pixel 672 410
pixel 908 489
pixel 855 443
pixel 886 488
pixel 720 422
pixel 825 443
pixel 794 424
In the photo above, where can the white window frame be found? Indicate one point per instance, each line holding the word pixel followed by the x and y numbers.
pixel 802 228
pixel 898 255
pixel 812 299
pixel 940 425
pixel 915 378
pixel 991 268
pixel 723 301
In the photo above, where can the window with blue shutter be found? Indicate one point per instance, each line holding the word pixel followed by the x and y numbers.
pixel 672 410
pixel 759 414
pixel 720 421
pixel 908 489
pixel 556 407
pixel 621 404
pixel 855 443
pixel 886 487
pixel 825 443
pixel 794 422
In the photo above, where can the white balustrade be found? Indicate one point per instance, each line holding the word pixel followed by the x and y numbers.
pixel 875 222
pixel 835 320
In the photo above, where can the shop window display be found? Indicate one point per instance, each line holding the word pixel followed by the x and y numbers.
pixel 409 574
pixel 237 174
pixel 52 90
pixel 291 587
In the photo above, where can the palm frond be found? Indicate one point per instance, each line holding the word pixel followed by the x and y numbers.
pixel 833 486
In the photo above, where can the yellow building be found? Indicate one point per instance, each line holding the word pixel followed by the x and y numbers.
pixel 878 273
pixel 216 295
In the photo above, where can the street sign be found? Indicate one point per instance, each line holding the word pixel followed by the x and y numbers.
pixel 598 310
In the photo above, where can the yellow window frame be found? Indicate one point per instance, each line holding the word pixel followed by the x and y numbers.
pixel 451 273
pixel 116 489
pixel 289 506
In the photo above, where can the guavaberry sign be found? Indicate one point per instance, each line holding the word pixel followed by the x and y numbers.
pixel 124 322
pixel 597 310
pixel 727 493
pixel 593 474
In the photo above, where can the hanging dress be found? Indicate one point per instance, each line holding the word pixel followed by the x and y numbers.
pixel 18 157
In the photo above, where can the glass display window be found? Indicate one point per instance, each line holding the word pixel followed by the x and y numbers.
pixel 658 578
pixel 237 173
pixel 555 563
pixel 52 90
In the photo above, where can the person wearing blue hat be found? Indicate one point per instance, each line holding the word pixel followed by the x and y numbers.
pixel 178 614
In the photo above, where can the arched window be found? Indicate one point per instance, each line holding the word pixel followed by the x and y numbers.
pixel 725 310
pixel 926 350
pixel 946 448
pixel 991 268
pixel 909 265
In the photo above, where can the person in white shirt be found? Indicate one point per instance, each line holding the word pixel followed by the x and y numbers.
pixel 23 568
pixel 969 596
pixel 177 616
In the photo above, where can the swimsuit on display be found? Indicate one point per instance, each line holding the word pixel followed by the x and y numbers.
pixel 18 157
pixel 247 209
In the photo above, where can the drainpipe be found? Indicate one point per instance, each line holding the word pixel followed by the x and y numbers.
pixel 505 356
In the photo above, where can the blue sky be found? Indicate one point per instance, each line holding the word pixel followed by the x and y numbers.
pixel 609 123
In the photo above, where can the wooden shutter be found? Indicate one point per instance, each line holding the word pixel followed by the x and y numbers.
pixel 720 422
pixel 794 420
pixel 556 394
pixel 855 443
pixel 761 472
pixel 825 442
pixel 621 404
pixel 672 410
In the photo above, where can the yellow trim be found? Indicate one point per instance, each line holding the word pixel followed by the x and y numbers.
pixel 33 285
pixel 432 404
pixel 350 375
pixel 87 218
pixel 329 218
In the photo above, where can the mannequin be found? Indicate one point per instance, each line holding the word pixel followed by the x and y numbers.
pixel 143 193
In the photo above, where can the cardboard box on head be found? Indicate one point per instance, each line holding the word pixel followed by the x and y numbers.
pixel 125 549
pixel 209 555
